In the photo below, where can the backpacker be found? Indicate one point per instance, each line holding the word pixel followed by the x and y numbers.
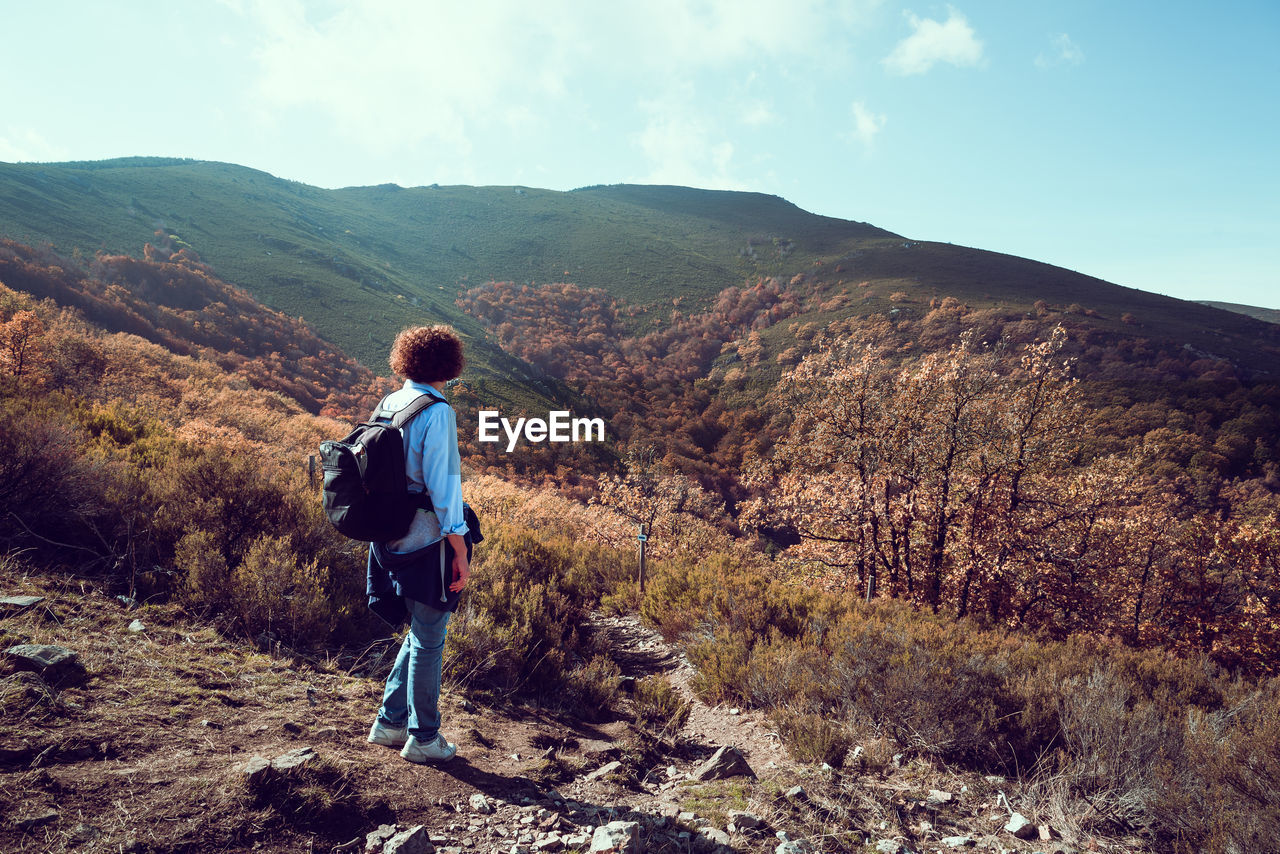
pixel 366 493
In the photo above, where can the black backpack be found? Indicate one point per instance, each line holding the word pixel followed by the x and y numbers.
pixel 366 493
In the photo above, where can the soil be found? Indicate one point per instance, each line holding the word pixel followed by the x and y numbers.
pixel 146 747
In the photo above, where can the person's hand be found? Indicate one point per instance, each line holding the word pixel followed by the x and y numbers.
pixel 461 568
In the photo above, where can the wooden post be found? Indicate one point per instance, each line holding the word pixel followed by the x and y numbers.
pixel 642 538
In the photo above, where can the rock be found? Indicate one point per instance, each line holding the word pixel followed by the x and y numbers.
pixel 603 770
pixel 711 834
pixel 958 841
pixel 85 833
pixel 51 662
pixel 19 754
pixel 480 804
pixel 291 728
pixel 415 840
pixel 794 846
pixel 735 712
pixel 551 842
pixel 627 684
pixel 1047 833
pixel 937 798
pixel 294 759
pixel 622 837
pixel 796 793
pixel 18 604
pixel 257 772
pixel 468 707
pixel 889 846
pixel 1020 827
pixel 725 762
pixel 743 820
pixel 137 626
pixel 27 822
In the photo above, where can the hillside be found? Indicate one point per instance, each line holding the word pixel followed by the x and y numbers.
pixel 1270 315
pixel 358 263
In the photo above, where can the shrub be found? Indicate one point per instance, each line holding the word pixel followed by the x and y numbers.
pixel 594 687
pixel 280 595
pixel 813 737
pixel 207 585
pixel 518 628
pixel 659 708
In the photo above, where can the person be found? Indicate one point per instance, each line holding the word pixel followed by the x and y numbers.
pixel 427 357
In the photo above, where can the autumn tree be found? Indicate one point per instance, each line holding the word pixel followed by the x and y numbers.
pixel 20 339
pixel 925 480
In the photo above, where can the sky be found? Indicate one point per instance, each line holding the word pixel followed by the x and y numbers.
pixel 1135 141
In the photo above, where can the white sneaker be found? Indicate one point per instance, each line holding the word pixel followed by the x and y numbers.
pixel 436 750
pixel 388 736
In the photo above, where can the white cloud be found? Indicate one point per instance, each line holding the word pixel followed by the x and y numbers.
pixel 931 42
pixel 1063 51
pixel 24 145
pixel 679 147
pixel 866 124
pixel 758 114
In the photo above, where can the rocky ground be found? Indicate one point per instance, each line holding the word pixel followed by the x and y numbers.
pixel 160 735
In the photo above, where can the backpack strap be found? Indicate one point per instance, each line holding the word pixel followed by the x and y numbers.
pixel 420 404
pixel 401 417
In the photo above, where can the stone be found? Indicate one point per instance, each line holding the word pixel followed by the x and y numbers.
pixel 137 626
pixel 622 837
pixel 51 662
pixel 294 759
pixel 889 846
pixel 794 846
pixel 937 798
pixel 257 771
pixel 18 604
pixel 603 770
pixel 795 793
pixel 480 804
pixel 711 834
pixel 741 820
pixel 726 762
pixel 415 840
pixel 27 822
pixel 82 833
pixel 1047 833
pixel 958 841
pixel 551 842
pixel 1020 827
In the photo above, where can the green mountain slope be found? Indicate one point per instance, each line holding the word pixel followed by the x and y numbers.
pixel 359 263
pixel 1270 315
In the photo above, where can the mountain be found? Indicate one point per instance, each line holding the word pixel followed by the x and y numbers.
pixel 358 263
pixel 1270 315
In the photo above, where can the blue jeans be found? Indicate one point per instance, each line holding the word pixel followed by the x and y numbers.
pixel 412 696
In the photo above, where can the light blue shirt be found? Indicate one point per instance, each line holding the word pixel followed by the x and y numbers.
pixel 431 460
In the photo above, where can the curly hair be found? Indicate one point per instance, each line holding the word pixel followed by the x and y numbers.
pixel 427 354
